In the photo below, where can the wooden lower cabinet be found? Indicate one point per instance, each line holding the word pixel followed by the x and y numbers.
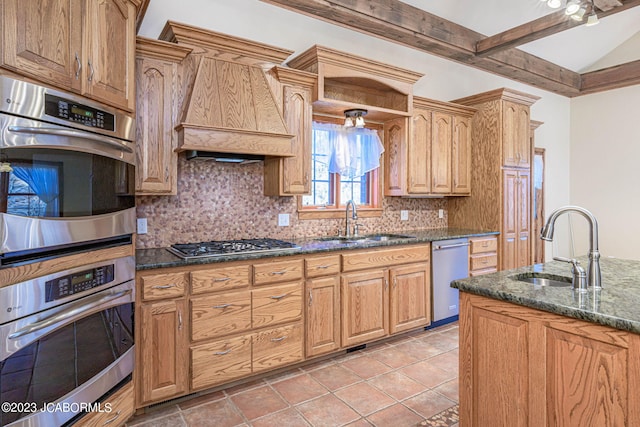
pixel 163 346
pixel 365 302
pixel 220 362
pixel 410 297
pixel 483 255
pixel 277 347
pixel 120 409
pixel 322 315
pixel 524 367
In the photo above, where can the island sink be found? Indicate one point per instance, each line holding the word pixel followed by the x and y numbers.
pixel 543 279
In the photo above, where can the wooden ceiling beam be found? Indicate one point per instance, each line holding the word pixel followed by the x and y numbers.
pixel 407 25
pixel 542 27
pixel 611 78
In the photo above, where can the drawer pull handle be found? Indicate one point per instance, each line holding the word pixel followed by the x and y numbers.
pixel 278 297
pixel 485 244
pixel 222 279
pixel 277 273
pixel 323 267
pixel 278 339
pixel 222 353
pixel 222 306
pixel 179 320
pixel 484 261
pixel 112 419
pixel 173 285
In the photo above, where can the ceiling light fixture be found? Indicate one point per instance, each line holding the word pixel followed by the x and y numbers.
pixel 354 117
pixel 577 9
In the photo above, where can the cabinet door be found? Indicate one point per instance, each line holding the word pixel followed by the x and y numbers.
pixel 410 297
pixel 156 171
pixel 43 40
pixel 524 219
pixel 419 162
pixel 441 138
pixel 395 157
pixel 109 45
pixel 509 235
pixel 461 155
pixel 365 302
pixel 322 315
pixel 297 115
pixel 162 367
pixel 516 144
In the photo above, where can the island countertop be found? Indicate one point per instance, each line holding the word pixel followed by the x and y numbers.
pixel 161 258
pixel 616 305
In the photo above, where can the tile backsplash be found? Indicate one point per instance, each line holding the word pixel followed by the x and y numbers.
pixel 218 201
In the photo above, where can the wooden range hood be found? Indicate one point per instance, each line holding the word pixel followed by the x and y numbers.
pixel 229 106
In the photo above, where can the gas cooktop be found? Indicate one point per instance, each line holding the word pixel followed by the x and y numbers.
pixel 229 247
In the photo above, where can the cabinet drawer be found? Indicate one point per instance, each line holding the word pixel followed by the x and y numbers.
pixel 220 362
pixel 218 315
pixel 481 272
pixel 277 304
pixel 219 279
pixel 483 244
pixel 277 347
pixel 483 261
pixel 322 266
pixel 164 285
pixel 122 403
pixel 278 271
pixel 385 257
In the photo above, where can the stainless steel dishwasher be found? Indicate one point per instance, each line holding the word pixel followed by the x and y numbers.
pixel 449 261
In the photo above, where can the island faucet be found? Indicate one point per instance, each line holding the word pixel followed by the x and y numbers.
pixel 593 269
pixel 354 218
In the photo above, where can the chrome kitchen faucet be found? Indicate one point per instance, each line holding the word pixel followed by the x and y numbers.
pixel 354 218
pixel 593 270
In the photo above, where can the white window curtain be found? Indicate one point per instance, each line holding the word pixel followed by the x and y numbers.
pixel 353 151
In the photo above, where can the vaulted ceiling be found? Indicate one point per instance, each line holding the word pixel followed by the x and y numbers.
pixel 506 52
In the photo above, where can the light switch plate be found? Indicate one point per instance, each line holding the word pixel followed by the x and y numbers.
pixel 440 213
pixel 404 215
pixel 283 220
pixel 142 226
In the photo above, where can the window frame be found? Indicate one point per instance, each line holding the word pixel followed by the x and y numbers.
pixel 337 210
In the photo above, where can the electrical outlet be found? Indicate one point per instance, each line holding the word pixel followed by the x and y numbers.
pixel 404 215
pixel 440 213
pixel 283 220
pixel 142 226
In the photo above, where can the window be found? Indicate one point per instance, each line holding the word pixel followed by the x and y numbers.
pixel 33 189
pixel 356 153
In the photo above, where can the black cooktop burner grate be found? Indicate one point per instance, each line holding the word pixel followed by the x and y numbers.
pixel 227 247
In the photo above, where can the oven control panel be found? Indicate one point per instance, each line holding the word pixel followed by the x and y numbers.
pixel 64 286
pixel 78 113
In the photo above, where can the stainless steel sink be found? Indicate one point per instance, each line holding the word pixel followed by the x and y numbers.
pixel 543 279
pixel 364 239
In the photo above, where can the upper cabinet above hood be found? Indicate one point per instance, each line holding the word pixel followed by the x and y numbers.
pixel 228 104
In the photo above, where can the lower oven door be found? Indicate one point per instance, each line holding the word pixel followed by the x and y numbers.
pixel 57 362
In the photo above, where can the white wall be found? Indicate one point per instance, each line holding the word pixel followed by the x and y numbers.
pixel 444 80
pixel 605 147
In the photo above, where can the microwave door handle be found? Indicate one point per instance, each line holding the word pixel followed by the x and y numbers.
pixel 69 133
pixel 64 315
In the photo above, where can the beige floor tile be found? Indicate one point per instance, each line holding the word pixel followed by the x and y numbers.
pixel 287 418
pixel 450 390
pixel 396 415
pixel 258 402
pixel 397 385
pixel 427 374
pixel 335 377
pixel 366 367
pixel 394 357
pixel 221 413
pixel 300 388
pixel 364 398
pixel 327 411
pixel 428 403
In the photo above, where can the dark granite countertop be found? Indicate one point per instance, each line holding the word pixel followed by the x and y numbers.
pixel 161 258
pixel 617 305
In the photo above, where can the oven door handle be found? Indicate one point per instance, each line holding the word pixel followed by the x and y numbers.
pixel 74 309
pixel 70 133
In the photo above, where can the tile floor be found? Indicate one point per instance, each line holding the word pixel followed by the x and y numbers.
pixel 396 383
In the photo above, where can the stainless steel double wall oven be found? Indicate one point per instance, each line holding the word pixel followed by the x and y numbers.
pixel 66 186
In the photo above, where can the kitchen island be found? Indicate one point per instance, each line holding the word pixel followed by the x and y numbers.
pixel 547 355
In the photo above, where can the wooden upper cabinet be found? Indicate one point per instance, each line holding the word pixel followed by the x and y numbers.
pixel 156 139
pixel 395 155
pixel 441 142
pixel 419 162
pixel 516 148
pixel 461 156
pixel 291 176
pixel 84 46
pixel 51 49
pixel 109 41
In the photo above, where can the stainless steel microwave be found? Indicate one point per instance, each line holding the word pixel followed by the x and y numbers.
pixel 66 171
